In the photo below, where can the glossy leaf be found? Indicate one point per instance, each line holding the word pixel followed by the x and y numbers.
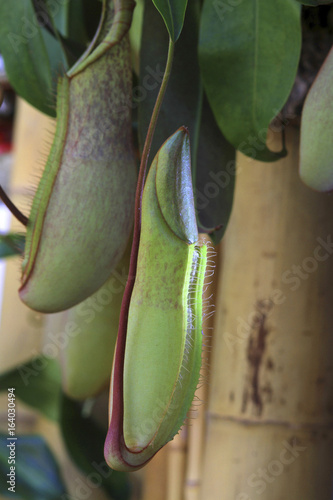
pixel 37 383
pixel 25 55
pixel 184 104
pixel 249 56
pixel 11 244
pixel 173 12
pixel 37 474
pixel 84 441
pixel 316 148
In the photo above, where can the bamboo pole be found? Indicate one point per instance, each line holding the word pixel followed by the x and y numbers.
pixel 177 449
pixel 196 436
pixel 271 399
pixel 155 477
pixel 21 329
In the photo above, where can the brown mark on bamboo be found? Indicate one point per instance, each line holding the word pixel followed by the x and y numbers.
pixel 255 352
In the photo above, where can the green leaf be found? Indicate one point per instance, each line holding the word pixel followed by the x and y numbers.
pixel 214 185
pixel 53 41
pixel 249 56
pixel 60 14
pixel 184 104
pixel 25 55
pixel 173 12
pixel 11 244
pixel 84 441
pixel 37 474
pixel 316 147
pixel 63 51
pixel 36 383
pixel 314 3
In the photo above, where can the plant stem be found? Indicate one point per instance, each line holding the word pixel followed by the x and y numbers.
pixel 13 208
pixel 144 160
pixel 195 141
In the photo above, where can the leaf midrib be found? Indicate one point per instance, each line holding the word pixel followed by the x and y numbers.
pixel 171 17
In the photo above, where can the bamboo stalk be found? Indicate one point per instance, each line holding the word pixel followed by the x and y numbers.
pixel 155 477
pixel 270 412
pixel 21 329
pixel 196 436
pixel 176 465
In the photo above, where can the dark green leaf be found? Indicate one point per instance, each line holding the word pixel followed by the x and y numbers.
pixel 91 12
pixel 60 14
pixel 25 55
pixel 43 15
pixel 37 383
pixel 76 29
pixel 315 3
pixel 249 56
pixel 68 24
pixel 84 440
pixel 173 12
pixel 37 475
pixel 63 50
pixel 55 46
pixel 215 184
pixel 11 244
pixel 184 104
